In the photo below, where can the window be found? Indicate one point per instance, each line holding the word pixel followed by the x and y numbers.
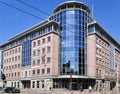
pixel 43 71
pixel 19 49
pixel 38 71
pixel 97 41
pixel 18 65
pixel 18 73
pixel 38 83
pixel 48 59
pixel 19 57
pixel 33 84
pixel 48 70
pixel 34 44
pixel 49 39
pixel 18 84
pixel 15 58
pixel 15 73
pixel 12 51
pixel 12 66
pixel 25 73
pixel 34 62
pixel 12 59
pixel 7 54
pixel 15 66
pixel 48 49
pixel 33 72
pixel 43 50
pixel 38 42
pixel 16 50
pixel 38 52
pixel 38 61
pixel 34 53
pixel 12 84
pixel 9 59
pixel 43 41
pixel 43 60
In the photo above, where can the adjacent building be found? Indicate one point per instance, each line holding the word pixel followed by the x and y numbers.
pixel 65 51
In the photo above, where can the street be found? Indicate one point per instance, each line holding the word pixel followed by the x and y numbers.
pixel 60 92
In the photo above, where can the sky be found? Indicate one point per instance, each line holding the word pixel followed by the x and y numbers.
pixel 13 21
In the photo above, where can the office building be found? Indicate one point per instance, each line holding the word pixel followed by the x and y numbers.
pixel 65 51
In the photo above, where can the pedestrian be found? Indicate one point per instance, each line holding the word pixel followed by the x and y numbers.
pixel 90 89
pixel 81 88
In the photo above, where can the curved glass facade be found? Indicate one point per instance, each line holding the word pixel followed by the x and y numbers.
pixel 73 57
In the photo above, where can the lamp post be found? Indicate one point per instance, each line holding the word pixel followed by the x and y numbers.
pixel 70 87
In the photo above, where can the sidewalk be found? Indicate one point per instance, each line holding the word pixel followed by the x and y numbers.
pixel 29 91
pixel 57 92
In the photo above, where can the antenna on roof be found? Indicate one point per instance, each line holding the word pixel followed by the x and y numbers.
pixel 92 10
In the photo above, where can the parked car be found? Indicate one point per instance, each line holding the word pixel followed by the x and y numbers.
pixel 11 90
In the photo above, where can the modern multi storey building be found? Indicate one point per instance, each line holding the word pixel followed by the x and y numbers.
pixel 65 51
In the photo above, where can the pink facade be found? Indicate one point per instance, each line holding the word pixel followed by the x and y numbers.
pixel 117 64
pixel 98 57
pixel 12 62
pixel 45 55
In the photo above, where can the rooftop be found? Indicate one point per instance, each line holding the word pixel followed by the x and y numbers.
pixel 71 4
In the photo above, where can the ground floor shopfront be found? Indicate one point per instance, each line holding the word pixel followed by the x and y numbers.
pixel 61 83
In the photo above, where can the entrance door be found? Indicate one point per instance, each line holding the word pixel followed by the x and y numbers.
pixel 74 86
pixel 26 84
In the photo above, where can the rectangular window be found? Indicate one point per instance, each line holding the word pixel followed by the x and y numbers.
pixel 38 42
pixel 43 60
pixel 19 57
pixel 38 84
pixel 15 66
pixel 12 84
pixel 25 73
pixel 16 50
pixel 38 71
pixel 38 52
pixel 48 39
pixel 7 54
pixel 34 44
pixel 33 84
pixel 34 53
pixel 18 65
pixel 12 59
pixel 48 59
pixel 34 62
pixel 48 49
pixel 48 70
pixel 43 50
pixel 33 72
pixel 15 58
pixel 38 61
pixel 12 51
pixel 18 84
pixel 19 49
pixel 43 41
pixel 43 71
pixel 18 74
